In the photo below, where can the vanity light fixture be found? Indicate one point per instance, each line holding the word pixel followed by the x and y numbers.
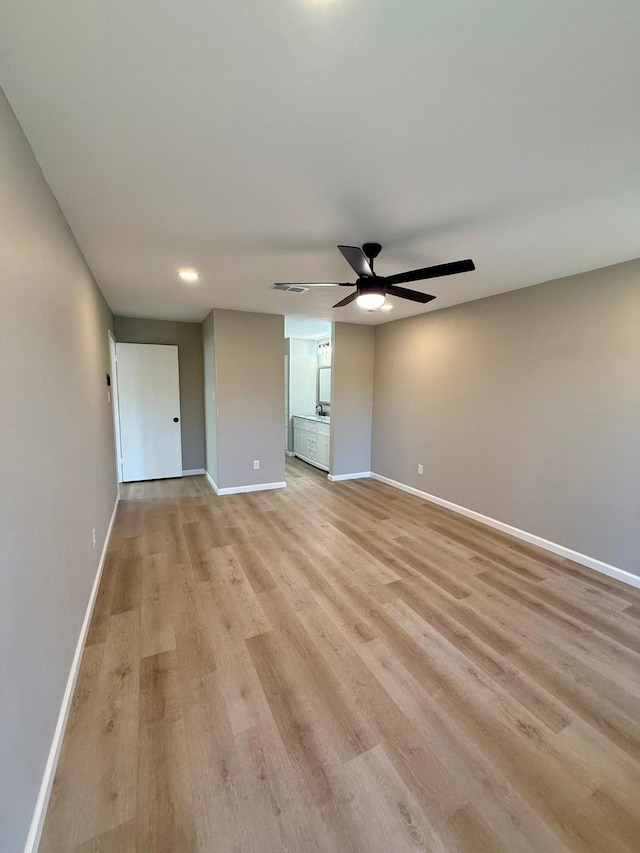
pixel 188 275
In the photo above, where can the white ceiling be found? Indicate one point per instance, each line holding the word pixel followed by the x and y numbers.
pixel 247 139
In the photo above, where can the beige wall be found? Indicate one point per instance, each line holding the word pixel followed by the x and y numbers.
pixel 248 350
pixel 524 407
pixel 351 398
pixel 210 404
pixel 188 338
pixel 58 467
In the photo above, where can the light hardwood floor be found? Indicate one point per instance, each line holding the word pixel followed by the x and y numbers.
pixel 343 667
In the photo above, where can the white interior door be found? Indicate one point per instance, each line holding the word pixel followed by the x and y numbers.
pixel 149 403
pixel 286 403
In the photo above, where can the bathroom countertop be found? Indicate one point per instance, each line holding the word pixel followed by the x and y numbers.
pixel 322 419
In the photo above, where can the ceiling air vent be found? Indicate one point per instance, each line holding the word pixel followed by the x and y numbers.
pixel 291 288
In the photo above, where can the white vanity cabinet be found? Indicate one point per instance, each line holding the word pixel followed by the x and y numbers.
pixel 311 440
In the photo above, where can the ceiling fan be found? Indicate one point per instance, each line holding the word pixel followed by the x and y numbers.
pixel 371 288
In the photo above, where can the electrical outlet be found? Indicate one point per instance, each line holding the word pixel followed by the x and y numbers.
pixel 256 464
pixel 93 538
pixel 420 469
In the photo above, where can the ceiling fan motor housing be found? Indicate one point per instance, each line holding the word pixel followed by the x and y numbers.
pixel 370 285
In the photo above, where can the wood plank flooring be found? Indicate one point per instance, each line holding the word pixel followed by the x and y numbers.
pixel 343 667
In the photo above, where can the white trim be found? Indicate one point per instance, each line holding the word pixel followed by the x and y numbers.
pixel 532 538
pixel 192 472
pixel 289 453
pixel 259 487
pixel 359 476
pixel 211 481
pixel 39 814
pixel 236 490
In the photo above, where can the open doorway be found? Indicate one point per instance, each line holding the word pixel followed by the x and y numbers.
pixel 308 390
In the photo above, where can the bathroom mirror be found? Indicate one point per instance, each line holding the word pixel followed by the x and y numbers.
pixel 324 385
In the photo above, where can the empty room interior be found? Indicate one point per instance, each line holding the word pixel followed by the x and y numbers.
pixel 320 371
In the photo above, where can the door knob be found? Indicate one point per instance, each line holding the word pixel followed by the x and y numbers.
pixel 175 420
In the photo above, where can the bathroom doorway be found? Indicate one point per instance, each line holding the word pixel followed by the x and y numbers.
pixel 308 390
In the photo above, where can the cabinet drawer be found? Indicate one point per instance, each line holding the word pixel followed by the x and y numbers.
pixel 304 424
pixel 323 429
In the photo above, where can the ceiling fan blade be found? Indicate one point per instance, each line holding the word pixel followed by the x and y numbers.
pixel 313 284
pixel 431 272
pixel 354 256
pixel 347 300
pixel 405 293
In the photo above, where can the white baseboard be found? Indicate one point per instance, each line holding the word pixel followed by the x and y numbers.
pixel 260 487
pixel 532 538
pixel 289 453
pixel 192 472
pixel 39 814
pixel 237 490
pixel 359 476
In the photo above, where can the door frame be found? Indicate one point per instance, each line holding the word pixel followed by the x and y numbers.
pixel 115 406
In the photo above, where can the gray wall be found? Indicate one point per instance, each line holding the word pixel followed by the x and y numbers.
pixel 249 371
pixel 524 407
pixel 188 338
pixel 210 403
pixel 58 467
pixel 351 398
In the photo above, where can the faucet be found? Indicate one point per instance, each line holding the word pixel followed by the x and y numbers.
pixel 320 413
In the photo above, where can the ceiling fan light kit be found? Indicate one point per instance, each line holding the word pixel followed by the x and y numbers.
pixel 370 300
pixel 371 289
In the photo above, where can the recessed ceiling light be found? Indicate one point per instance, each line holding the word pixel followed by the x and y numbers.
pixel 188 275
pixel 386 307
